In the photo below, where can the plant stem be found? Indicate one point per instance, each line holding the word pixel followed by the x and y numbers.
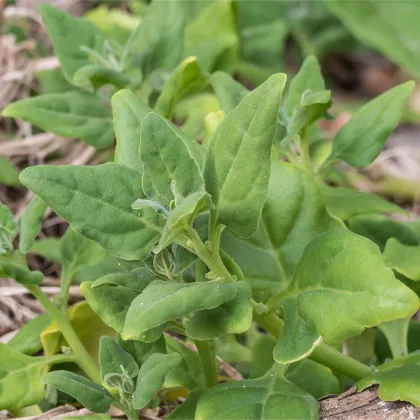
pixel 304 147
pixel 323 354
pixel 215 264
pixel 207 351
pixel 83 358
pixel 130 412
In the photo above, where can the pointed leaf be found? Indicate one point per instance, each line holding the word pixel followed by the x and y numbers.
pixel 228 91
pixel 233 317
pixel 9 175
pixel 237 169
pixel 166 158
pixel 152 376
pixel 339 274
pixel 96 201
pixel 360 141
pixel 405 259
pixel 30 223
pixel 163 301
pixel 112 357
pixel 68 34
pixel 68 114
pixel 93 396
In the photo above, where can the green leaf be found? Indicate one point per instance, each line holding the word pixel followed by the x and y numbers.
pixel 233 316
pixel 14 265
pixel 212 37
pixel 68 114
pixel 9 175
pixel 89 417
pixel 293 214
pixel 340 286
pixel 348 202
pixel 186 410
pixel 396 333
pixel 93 396
pixel 48 248
pixel 30 223
pixel 8 229
pixel 308 77
pixel 166 158
pixel 53 81
pixel 185 80
pixel 128 112
pixel 152 376
pixel 182 217
pixel 89 333
pixel 111 296
pixel 183 259
pixel 270 397
pixel 397 380
pixel 68 35
pixel 360 141
pixel 97 76
pixel 155 305
pixel 391 30
pixel 228 91
pixel 113 358
pixel 20 384
pixel 405 259
pixel 189 372
pixel 96 201
pixel 28 340
pixel 380 228
pixel 237 169
pixel 141 351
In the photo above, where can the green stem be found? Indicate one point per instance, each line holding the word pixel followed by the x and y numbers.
pixel 83 358
pixel 323 354
pixel 207 351
pixel 304 41
pixel 130 412
pixel 65 282
pixel 304 147
pixel 214 264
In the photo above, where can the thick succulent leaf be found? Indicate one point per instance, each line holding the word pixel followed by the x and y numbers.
pixel 20 384
pixel 96 201
pixel 93 396
pixel 163 301
pixel 340 286
pixel 30 223
pixel 142 351
pixel 293 214
pixel 69 114
pixel 8 229
pixel 360 141
pixel 111 296
pixel 405 259
pixel 28 340
pixel 152 376
pixel 228 91
pixel 112 357
pixel 182 217
pixel 185 80
pixel 310 77
pixel 233 316
pixel 128 114
pixel 391 30
pixel 212 37
pixel 379 229
pixel 89 333
pixel 186 410
pixel 9 175
pixel 166 158
pixel 270 397
pixel 13 265
pixel 348 202
pixel 237 169
pixel 397 380
pixel 68 34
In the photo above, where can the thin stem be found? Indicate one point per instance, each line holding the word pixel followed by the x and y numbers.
pixel 207 351
pixel 83 358
pixel 130 412
pixel 304 147
pixel 214 264
pixel 65 282
pixel 323 354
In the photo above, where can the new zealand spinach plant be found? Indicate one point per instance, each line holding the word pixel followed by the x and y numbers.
pixel 229 250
